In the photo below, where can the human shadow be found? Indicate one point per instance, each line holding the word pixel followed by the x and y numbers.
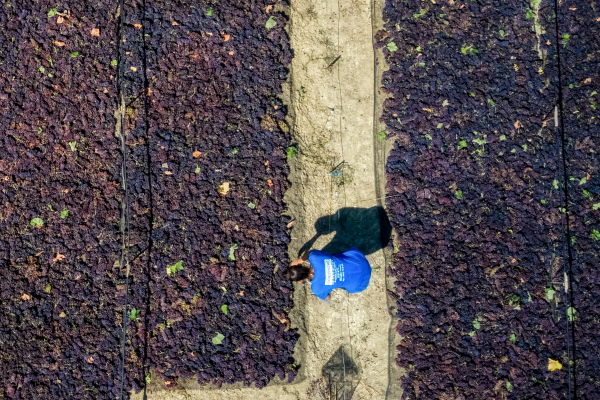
pixel 367 229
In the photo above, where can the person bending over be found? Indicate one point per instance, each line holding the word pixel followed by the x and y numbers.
pixel 349 270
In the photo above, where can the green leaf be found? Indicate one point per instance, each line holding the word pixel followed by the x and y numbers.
pixel 114 63
pixel 42 69
pixel 291 152
pixel 530 14
pixel 555 184
pixel 445 103
pixel 48 288
pixel 252 205
pixel 458 194
pixel 472 94
pixel 421 64
pixel 381 135
pixel 593 93
pixel 271 23
pixel 51 62
pixel 418 49
pixel 492 103
pixel 232 249
pixel 464 49
pixel 571 313
pixel 566 37
pixel 513 151
pixel 197 170
pixel 513 338
pixel 508 386
pixel 472 333
pixel 428 137
pixel 74 54
pixel 218 339
pixel 37 222
pixel 52 12
pixel 209 11
pixel 391 46
pixel 583 180
pixel 473 51
pixel 50 207
pixel 476 324
pixel 550 294
pixel 50 76
pixel 595 235
pixel 596 206
pixel 480 142
pixel 570 86
pixel 501 32
pixel 133 314
pixel 543 201
pixel 73 146
pixel 586 194
pixel 225 309
pixel 524 146
pixel 440 125
pixel 462 144
pixel 172 269
pixel 64 213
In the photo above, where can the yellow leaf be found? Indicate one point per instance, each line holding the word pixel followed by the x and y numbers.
pixel 553 365
pixel 139 26
pixel 224 188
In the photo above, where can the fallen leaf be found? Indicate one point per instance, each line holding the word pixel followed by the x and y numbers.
pixel 270 183
pixel 427 109
pixel 267 162
pixel 290 224
pixel 572 8
pixel 133 69
pixel 95 32
pixel 197 154
pixel 90 359
pixel 149 91
pixel 139 26
pixel 58 43
pixel 224 188
pixel 25 297
pixel 548 43
pixel 588 176
pixel 553 365
pixel 226 37
pixel 165 165
pixel 588 80
pixel 170 383
pixel 241 293
pixel 517 125
pixel 59 257
pixel 174 23
pixel 231 52
pixel 60 20
pixel 168 173
pixel 62 314
pixel 268 9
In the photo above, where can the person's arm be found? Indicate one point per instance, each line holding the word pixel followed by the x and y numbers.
pixel 300 260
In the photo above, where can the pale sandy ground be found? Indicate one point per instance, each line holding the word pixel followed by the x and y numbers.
pixel 332 117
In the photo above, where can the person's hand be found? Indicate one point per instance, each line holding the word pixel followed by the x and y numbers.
pixel 297 261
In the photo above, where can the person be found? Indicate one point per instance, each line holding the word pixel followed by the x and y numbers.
pixel 349 270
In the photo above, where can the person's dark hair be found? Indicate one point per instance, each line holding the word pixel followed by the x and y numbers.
pixel 296 273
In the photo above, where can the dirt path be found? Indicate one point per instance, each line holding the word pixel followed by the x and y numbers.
pixel 331 96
